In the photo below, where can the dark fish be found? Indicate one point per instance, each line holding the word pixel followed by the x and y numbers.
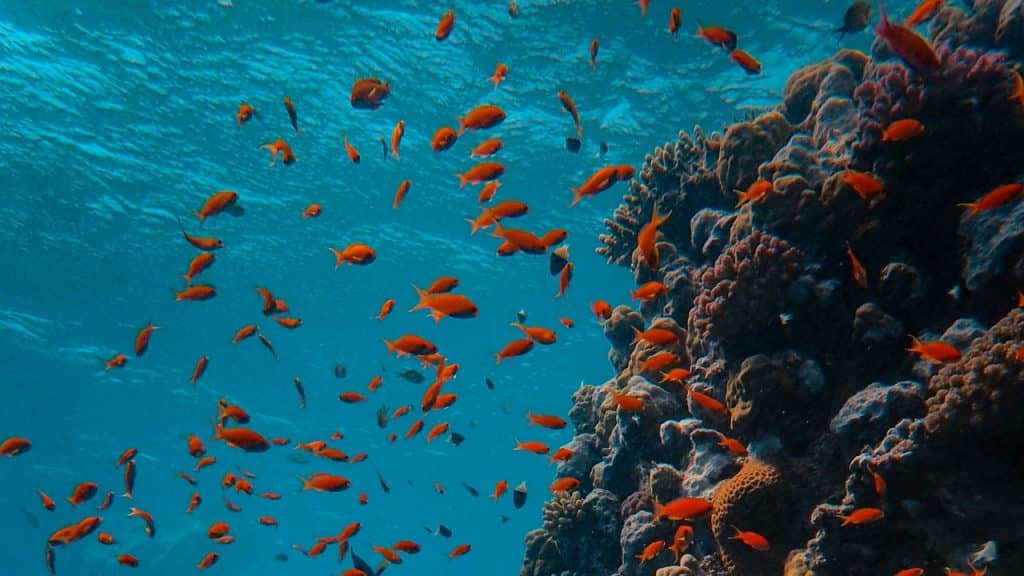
pixel 361 564
pixel 382 416
pixel 292 115
pixel 281 557
pixel 51 561
pixel 340 371
pixel 470 489
pixel 521 315
pixel 301 391
pixel 504 518
pixel 444 531
pixel 31 518
pixel 604 148
pixel 456 438
pixel 559 258
pixel 411 376
pixel 269 345
pixel 383 483
pixel 489 382
pixel 519 495
pixel 856 19
pixel 572 144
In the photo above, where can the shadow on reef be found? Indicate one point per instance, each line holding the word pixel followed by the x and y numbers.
pixel 792 313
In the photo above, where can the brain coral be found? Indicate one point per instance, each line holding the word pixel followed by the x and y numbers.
pixel 754 499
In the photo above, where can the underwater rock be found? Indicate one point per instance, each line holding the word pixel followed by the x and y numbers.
pixel 870 412
pixel 745 146
pixel 619 330
pixel 707 464
pixel 995 251
pixel 586 452
pixel 901 288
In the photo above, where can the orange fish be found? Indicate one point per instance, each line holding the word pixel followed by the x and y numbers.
pixel 655 336
pixel 355 253
pixel 411 344
pixel 460 550
pixel 659 361
pixel 269 302
pixel 445 304
pixel 218 529
pixel 755 193
pixel 396 138
pixel 499 489
pixel 733 445
pixel 193 502
pixel 244 332
pixel 533 446
pixel 443 284
pixel 204 462
pixel 129 479
pixel 375 383
pixel 414 429
pixel 753 540
pixel 117 361
pixel 924 11
pixel 245 113
pixel 490 216
pixel 500 73
pixel 681 540
pixel 600 181
pixel 514 348
pixel 675 20
pixel 196 293
pixel 209 560
pixel 243 438
pixel 105 539
pixel 293 116
pixel 45 500
pixel 561 455
pixel 708 403
pixel 351 397
pixel 401 411
pixel 481 118
pixel 570 107
pixel 564 278
pixel 914 50
pixel 201 262
pixel 437 430
pixel 994 199
pixel 73 532
pixel 650 291
pixel 369 93
pixel 323 482
pixel 652 550
pixel 386 309
pixel 675 375
pixel 601 309
pixel 82 493
pixel 538 334
pixel 564 484
pixel 217 203
pixel 513 8
pixel 860 274
pixel 682 509
pixel 910 572
pixel 443 139
pixel 487 148
pixel 546 421
pixel 902 130
pixel 643 4
pixel 862 516
pixel 567 322
pixel 267 520
pixel 400 193
pixel 743 58
pixel 200 368
pixel 282 147
pixel 351 151
pixel 407 546
pixel 934 350
pixel 480 173
pixel 646 239
pixel 444 27
pixel 878 482
pixel 865 184
pixel 594 46
pixel 289 323
pixel 147 518
pixel 624 401
pixel 311 211
pixel 1018 88
pixel 721 37
pixel 128 560
pixel 200 242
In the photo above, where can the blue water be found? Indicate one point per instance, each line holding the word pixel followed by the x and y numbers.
pixel 118 117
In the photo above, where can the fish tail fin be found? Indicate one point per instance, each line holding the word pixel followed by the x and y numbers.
pixel 305 483
pixel 576 197
pixel 915 344
pixel 472 223
pixel 423 296
pixel 637 334
pixel 498 361
pixel 972 208
pixel 462 126
pixel 339 258
pixel 463 180
pixel 883 17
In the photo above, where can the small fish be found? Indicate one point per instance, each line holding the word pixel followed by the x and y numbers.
pixel 396 138
pixel 570 107
pixel 444 27
pixel 603 148
pixel 245 113
pixel 351 151
pixel 573 144
pixel 743 58
pixel 856 19
pixel 340 371
pixel 902 130
pixel 924 12
pixel 721 37
pixel 400 193
pixel 383 483
pixel 753 540
pixel 456 438
pixel 267 344
pixel 857 270
pixel 280 146
pixel 934 350
pixel 911 48
pixel 675 21
pixel 994 199
pixel 411 376
pixel 489 383
pixel 594 46
pixel 292 114
pixel 470 489
pixel 500 73
pixel 301 391
pixel 862 516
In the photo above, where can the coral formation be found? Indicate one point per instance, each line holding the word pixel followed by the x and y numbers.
pixel 802 403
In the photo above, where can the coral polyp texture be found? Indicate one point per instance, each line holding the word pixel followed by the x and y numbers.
pixel 852 399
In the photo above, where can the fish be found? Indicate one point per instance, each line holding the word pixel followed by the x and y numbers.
pixel 558 260
pixel 746 61
pixel 902 130
pixel 675 21
pixel 443 139
pixel 400 193
pixel 995 199
pixel 911 48
pixel 514 348
pixel 752 540
pixel 570 107
pixel 225 200
pixel 456 439
pixel 472 491
pixel 651 551
pixel 862 516
pixel 683 508
pixel 924 12
pixel 197 265
pixel 857 270
pixel 460 550
pixel 383 483
pixel 487 148
pixel 500 73
pixel 573 144
pixel 595 44
pixel 411 376
pixel 117 361
pixel 311 211
pixel 202 243
pixel 369 93
pixel 355 253
pixel 280 146
pixel 350 151
pixel 293 116
pixel 245 113
pixel 755 193
pixel 935 351
pixel 564 278
pixel 147 518
pixel 301 391
pixel 481 173
pixel 129 478
pixel 718 36
pixel 855 19
pixel 649 291
pixel 396 138
pixel 444 27
pixel 482 117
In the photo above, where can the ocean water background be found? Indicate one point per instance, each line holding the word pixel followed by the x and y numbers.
pixel 119 117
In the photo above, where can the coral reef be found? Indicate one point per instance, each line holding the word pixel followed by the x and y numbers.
pixel 802 402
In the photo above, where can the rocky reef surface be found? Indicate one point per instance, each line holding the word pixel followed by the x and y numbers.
pixel 800 416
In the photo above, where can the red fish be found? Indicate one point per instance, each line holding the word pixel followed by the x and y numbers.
pixel 242 438
pixel 546 421
pixel 862 516
pixel 443 139
pixel 400 193
pixel 481 118
pixel 351 151
pixel 743 58
pixel 934 350
pixel 83 492
pixel 643 4
pixel 355 253
pixel 675 21
pixel 563 280
pixel 244 332
pixel 865 184
pixel 369 93
pixel 924 11
pixel 753 540
pixel 444 27
pixel 196 293
pixel 532 446
pixel 570 107
pixel 860 274
pixel 386 309
pixel 460 550
pixel 410 344
pixel 117 361
pixel 208 560
pixel 281 147
pixel 200 242
pixel 396 138
pixel 201 262
pixel 902 130
pixel 293 115
pixel 480 173
pixel 708 403
pixel 564 484
pixel 487 148
pixel 200 368
pixel 755 193
pixel 500 73
pixel 914 50
pixel 682 509
pixel 445 304
pixel 245 113
pixel 650 291
pixel 646 239
pixel 323 482
pixel 595 44
pixel 514 348
pixel 994 199
pixel 147 518
pixel 217 203
pixel 311 211
pixel 721 37
pixel 45 500
pixel 651 551
pixel 601 309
